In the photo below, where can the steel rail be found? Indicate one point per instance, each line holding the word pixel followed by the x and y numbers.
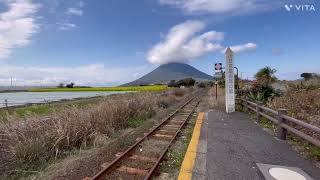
pixel 169 145
pixel 101 173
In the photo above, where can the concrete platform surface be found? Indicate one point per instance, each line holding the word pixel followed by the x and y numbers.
pixel 235 144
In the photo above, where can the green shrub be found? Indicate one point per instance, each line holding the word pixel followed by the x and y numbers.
pixel 188 82
pixel 222 83
pixel 201 85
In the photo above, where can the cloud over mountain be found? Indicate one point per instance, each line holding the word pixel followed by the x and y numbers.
pixel 182 43
pixel 185 42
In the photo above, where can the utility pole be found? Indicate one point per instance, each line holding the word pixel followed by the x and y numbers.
pixel 216 84
pixel 11 83
pixel 217 67
pixel 237 80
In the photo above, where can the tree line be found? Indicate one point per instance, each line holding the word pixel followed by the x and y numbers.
pixel 307 76
pixel 61 85
pixel 187 82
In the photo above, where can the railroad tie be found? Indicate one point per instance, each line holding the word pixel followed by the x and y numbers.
pixel 163 135
pixel 138 157
pixel 130 170
pixel 177 122
pixel 172 126
pixel 167 132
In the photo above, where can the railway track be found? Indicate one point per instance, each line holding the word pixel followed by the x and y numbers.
pixel 141 160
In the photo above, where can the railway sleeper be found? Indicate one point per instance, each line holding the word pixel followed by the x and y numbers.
pixel 176 122
pixel 165 132
pixel 168 130
pixel 184 113
pixel 171 126
pixel 162 138
pixel 163 135
pixel 139 157
pixel 134 171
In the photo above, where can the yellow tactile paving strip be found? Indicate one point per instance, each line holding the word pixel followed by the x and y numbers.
pixel 190 156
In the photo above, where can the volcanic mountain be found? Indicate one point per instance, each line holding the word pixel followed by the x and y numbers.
pixel 172 71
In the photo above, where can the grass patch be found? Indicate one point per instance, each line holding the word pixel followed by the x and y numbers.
pixel 125 143
pixel 175 158
pixel 19 173
pixel 178 150
pixel 37 109
pixel 126 88
pixel 265 123
pixel 309 149
pixel 135 122
pixel 44 109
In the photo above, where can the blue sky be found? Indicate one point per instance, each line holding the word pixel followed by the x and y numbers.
pixel 103 43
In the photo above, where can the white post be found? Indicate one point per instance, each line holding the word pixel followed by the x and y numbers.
pixel 229 80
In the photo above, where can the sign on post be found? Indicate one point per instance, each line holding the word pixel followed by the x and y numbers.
pixel 229 80
pixel 218 66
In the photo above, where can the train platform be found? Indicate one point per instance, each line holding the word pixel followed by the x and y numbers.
pixel 233 147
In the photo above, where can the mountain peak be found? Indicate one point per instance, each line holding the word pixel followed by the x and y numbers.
pixel 171 71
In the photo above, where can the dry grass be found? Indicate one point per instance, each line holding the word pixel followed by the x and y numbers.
pixel 218 103
pixel 171 97
pixel 178 92
pixel 30 143
pixel 303 105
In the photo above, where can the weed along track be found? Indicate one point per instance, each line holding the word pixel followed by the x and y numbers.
pixel 141 160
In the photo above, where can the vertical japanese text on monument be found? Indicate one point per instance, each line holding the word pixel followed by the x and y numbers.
pixel 230 92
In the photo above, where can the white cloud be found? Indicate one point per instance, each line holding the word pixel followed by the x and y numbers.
pixel 93 75
pixel 182 44
pixel 219 6
pixel 17 25
pixel 66 22
pixel 242 48
pixel 66 26
pixel 75 11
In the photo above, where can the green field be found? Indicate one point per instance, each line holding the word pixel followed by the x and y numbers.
pixel 128 88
